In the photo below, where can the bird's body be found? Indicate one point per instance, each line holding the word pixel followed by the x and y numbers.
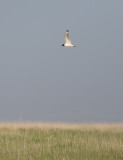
pixel 67 40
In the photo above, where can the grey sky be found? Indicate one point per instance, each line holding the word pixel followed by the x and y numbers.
pixel 42 81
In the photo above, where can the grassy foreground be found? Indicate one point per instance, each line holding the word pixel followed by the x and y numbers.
pixel 43 141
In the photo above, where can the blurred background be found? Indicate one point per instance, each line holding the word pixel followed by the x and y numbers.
pixel 42 81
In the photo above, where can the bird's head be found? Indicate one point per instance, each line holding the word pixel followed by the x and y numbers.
pixel 62 45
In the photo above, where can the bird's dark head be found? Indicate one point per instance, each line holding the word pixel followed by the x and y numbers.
pixel 62 45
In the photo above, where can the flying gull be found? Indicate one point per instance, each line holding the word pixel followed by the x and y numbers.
pixel 67 40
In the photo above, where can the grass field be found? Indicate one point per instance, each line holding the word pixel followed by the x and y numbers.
pixel 45 141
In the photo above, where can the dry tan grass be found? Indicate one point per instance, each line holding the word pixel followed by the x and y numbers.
pixel 46 125
pixel 58 141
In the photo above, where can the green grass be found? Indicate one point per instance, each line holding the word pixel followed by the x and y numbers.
pixel 66 143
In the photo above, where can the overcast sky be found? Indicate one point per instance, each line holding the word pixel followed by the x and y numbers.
pixel 43 81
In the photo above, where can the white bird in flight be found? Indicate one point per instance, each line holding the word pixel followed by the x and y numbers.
pixel 68 41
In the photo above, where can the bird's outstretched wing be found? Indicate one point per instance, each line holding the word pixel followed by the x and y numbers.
pixel 66 37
